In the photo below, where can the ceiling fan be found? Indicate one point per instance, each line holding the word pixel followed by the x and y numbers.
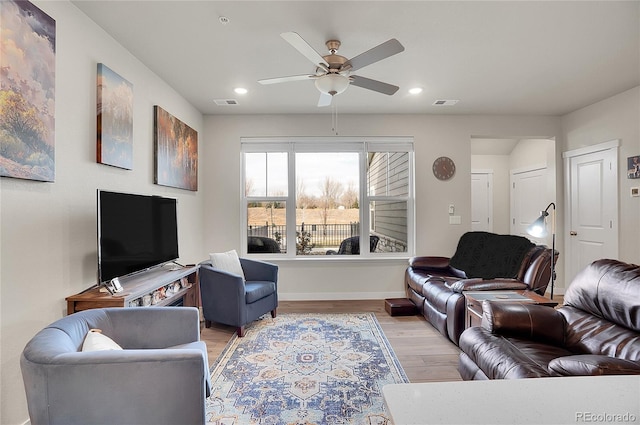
pixel 334 72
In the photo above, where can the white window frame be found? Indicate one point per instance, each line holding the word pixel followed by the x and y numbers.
pixel 360 145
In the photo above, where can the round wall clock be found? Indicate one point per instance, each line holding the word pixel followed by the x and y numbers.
pixel 444 168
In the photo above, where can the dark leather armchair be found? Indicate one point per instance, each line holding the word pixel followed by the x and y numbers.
pixel 262 245
pixel 231 300
pixel 483 261
pixel 351 246
pixel 595 332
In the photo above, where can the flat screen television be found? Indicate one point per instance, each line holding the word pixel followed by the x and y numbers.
pixel 135 233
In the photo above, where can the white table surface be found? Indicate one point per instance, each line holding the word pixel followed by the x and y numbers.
pixel 541 401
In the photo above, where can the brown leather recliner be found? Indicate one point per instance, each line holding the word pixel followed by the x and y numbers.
pixel 595 332
pixel 482 261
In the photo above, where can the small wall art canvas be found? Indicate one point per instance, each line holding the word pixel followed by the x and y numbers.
pixel 633 167
pixel 114 119
pixel 27 92
pixel 176 152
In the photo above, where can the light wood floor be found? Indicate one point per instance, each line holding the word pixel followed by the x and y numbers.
pixel 425 355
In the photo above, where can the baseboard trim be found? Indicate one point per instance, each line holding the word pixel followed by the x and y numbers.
pixel 337 296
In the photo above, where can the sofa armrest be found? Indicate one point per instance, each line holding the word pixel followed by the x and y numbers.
pixel 479 284
pixel 530 321
pixel 592 365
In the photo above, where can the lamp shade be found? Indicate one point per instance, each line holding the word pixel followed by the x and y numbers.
pixel 332 84
pixel 538 229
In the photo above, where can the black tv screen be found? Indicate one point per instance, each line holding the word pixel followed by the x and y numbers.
pixel 135 232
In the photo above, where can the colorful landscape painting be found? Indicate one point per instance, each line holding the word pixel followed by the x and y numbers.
pixel 115 119
pixel 27 92
pixel 176 152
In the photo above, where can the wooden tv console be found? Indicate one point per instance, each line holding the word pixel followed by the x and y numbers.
pixel 169 283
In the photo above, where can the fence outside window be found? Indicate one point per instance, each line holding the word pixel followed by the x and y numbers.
pixel 321 235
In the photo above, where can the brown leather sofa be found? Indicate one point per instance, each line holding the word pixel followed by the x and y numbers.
pixel 482 261
pixel 595 332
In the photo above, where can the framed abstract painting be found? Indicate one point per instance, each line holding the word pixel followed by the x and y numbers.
pixel 114 119
pixel 176 152
pixel 27 92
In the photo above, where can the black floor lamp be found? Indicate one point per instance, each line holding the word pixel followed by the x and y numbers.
pixel 538 229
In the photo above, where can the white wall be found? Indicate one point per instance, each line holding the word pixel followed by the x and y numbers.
pixel 434 136
pixel 526 153
pixel 48 237
pixel 617 117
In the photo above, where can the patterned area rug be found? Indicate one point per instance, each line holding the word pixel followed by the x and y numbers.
pixel 305 369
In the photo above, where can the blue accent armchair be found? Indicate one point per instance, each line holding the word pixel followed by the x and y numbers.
pixel 160 377
pixel 231 300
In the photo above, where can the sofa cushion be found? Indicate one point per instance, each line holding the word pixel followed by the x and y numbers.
pixel 508 358
pixel 608 289
pixel 489 255
pixel 594 365
pixel 96 341
pixel 258 290
pixel 591 334
pixel 228 262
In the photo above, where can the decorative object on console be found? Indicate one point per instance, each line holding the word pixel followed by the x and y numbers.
pixel 28 92
pixel 538 229
pixel 176 151
pixel 114 119
pixel 305 368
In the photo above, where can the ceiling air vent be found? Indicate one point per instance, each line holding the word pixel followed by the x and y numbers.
pixel 445 102
pixel 225 102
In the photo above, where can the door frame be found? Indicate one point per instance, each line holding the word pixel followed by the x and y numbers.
pixel 490 200
pixel 567 156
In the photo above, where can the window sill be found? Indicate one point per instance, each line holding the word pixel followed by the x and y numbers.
pixel 330 258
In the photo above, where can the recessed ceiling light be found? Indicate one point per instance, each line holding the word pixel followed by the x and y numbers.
pixel 445 102
pixel 240 90
pixel 415 90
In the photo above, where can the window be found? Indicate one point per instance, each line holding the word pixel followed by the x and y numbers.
pixel 315 197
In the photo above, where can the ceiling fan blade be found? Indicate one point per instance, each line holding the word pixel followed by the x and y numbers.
pixel 325 100
pixel 303 47
pixel 375 54
pixel 379 86
pixel 287 79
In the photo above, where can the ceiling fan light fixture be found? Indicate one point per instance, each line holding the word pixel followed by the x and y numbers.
pixel 332 84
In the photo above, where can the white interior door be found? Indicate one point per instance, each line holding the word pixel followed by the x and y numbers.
pixel 528 198
pixel 482 201
pixel 592 210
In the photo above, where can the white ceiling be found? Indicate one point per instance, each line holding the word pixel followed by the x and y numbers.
pixel 503 57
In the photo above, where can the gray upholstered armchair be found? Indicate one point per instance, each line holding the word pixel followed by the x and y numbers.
pixel 231 300
pixel 160 377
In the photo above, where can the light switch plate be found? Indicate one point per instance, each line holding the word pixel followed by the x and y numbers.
pixel 455 219
pixel 635 191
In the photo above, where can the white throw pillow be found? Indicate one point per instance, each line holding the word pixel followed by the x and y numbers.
pixel 95 341
pixel 228 262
